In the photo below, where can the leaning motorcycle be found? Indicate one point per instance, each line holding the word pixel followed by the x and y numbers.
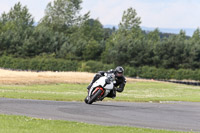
pixel 101 88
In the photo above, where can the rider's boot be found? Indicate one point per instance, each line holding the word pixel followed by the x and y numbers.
pixel 96 77
pixel 112 94
pixel 113 97
pixel 90 85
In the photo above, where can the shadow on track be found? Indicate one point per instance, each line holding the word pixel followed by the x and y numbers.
pixel 107 105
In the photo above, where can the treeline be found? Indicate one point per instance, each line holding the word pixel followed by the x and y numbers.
pixel 67 36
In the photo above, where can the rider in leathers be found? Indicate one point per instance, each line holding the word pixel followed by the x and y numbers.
pixel 119 78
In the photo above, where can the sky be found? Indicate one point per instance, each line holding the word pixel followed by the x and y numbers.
pixel 153 13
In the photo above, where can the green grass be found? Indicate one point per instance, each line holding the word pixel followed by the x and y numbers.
pixel 22 124
pixel 160 91
pixel 134 92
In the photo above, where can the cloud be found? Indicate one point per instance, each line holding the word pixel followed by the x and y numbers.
pixel 177 14
pixel 153 13
pixel 108 12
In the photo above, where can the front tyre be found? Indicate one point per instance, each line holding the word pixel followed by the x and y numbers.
pixel 94 97
pixel 86 99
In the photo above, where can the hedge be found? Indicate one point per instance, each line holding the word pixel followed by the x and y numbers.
pixel 38 64
pixel 166 74
pixel 95 66
pixel 54 64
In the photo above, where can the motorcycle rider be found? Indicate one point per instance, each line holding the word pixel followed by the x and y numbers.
pixel 119 78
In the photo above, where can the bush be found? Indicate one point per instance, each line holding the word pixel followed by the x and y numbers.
pixel 161 73
pixel 44 63
pixel 131 71
pixel 39 64
pixel 95 66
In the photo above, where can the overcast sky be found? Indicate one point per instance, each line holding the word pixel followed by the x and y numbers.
pixel 153 13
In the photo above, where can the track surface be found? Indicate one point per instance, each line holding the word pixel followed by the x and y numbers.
pixel 183 116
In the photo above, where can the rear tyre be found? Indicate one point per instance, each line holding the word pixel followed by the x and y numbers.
pixel 94 97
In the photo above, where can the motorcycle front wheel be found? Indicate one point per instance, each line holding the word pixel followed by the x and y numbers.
pixel 86 99
pixel 93 97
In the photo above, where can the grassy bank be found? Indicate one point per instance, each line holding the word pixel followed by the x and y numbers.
pixel 22 124
pixel 134 92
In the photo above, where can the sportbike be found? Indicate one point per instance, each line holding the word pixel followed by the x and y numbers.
pixel 100 88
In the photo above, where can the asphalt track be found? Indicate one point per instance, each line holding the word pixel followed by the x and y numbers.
pixel 179 116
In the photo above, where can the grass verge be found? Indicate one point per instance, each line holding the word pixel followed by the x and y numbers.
pixel 134 92
pixel 23 124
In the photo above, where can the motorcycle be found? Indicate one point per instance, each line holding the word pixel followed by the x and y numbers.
pixel 100 88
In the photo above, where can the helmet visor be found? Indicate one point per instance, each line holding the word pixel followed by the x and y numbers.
pixel 119 74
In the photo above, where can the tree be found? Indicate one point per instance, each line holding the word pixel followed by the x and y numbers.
pixel 17 25
pixel 121 47
pixel 108 32
pixel 92 29
pixel 130 20
pixel 152 41
pixel 64 18
pixel 90 32
pixel 196 35
pixel 62 15
pixel 153 36
pixel 170 52
pixel 18 15
pixel 193 50
pixel 44 41
pixel 92 50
